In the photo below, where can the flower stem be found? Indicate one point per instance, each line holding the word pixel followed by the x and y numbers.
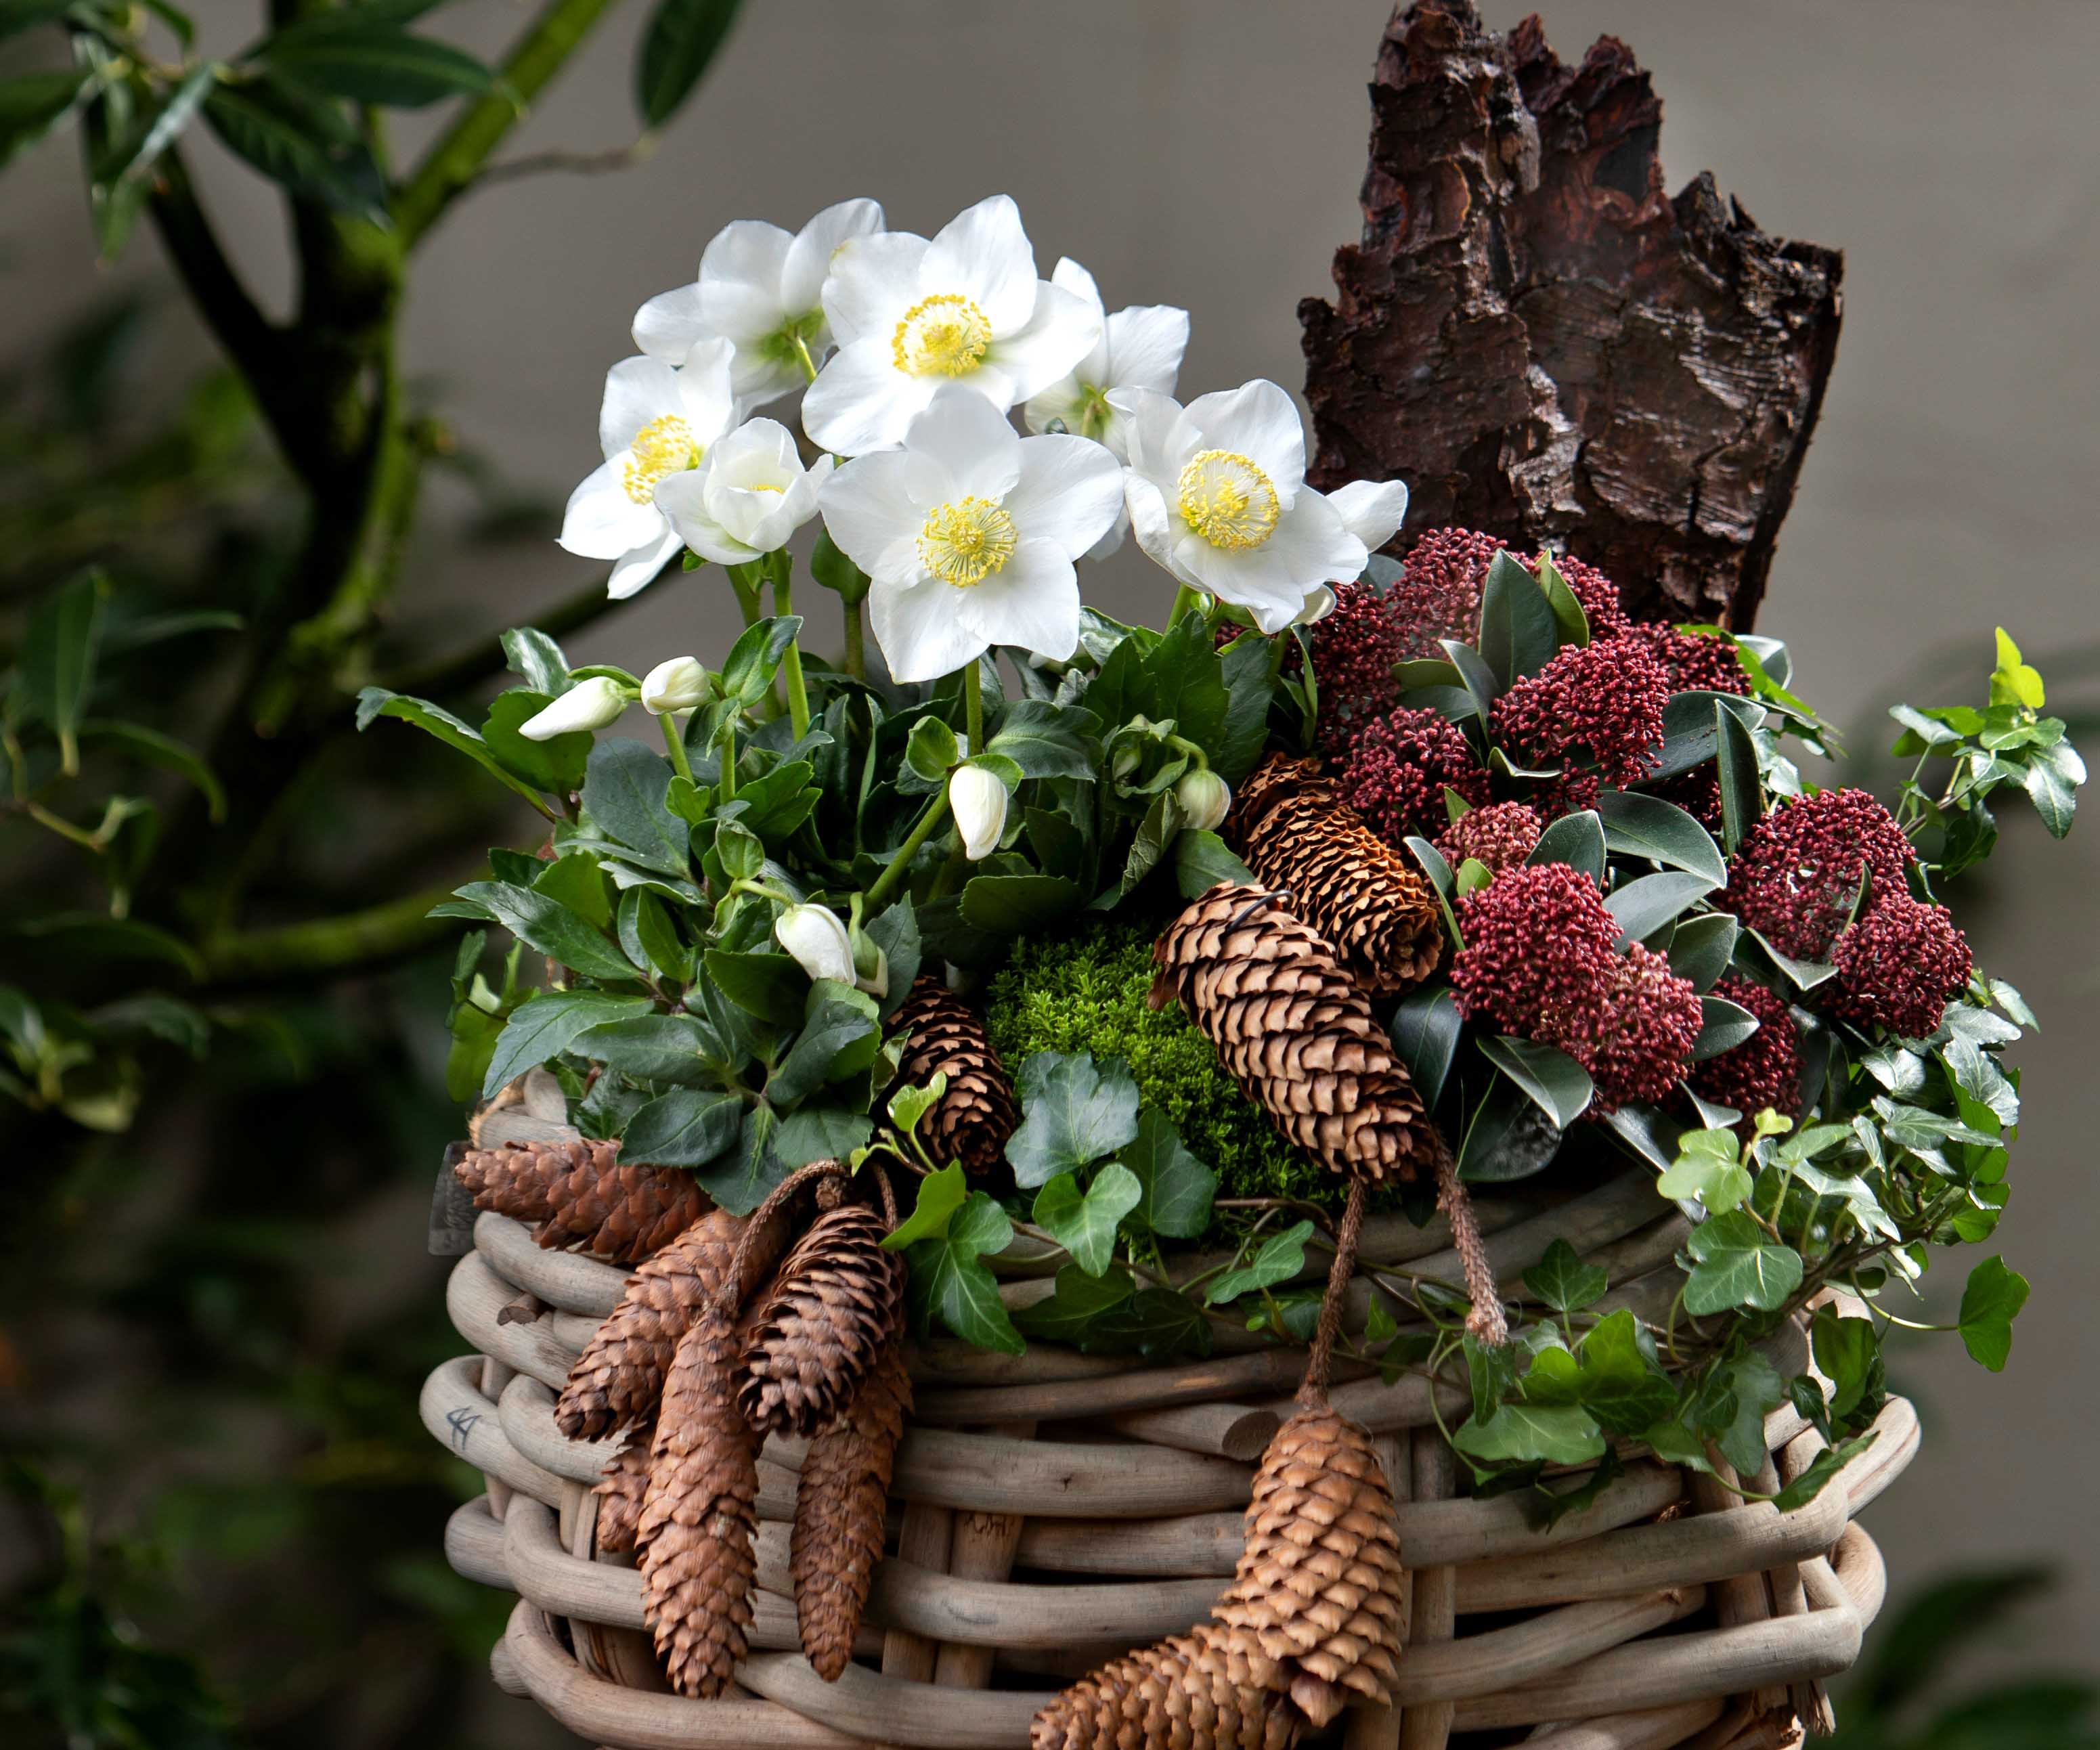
pixel 856 643
pixel 747 597
pixel 674 739
pixel 1279 647
pixel 972 705
pixel 1185 598
pixel 922 829
pixel 791 663
pixel 725 785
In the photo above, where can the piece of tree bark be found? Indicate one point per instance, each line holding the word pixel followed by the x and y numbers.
pixel 1548 348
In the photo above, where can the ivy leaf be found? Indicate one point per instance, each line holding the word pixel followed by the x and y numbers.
pixel 548 1025
pixel 1738 1266
pixel 685 1127
pixel 1077 1113
pixel 1563 1282
pixel 1176 1188
pixel 1825 1464
pixel 949 1278
pixel 1085 1224
pixel 1492 1370
pixel 1532 1433
pixel 1848 1351
pixel 940 1195
pixel 1080 1300
pixel 1990 1303
pixel 1282 1257
pixel 1707 1171
pixel 1733 1406
pixel 1622 1385
pixel 1154 1322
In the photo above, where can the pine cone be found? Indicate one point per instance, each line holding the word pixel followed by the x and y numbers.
pixel 838 1510
pixel 1296 1032
pixel 835 1304
pixel 1377 909
pixel 699 1515
pixel 1318 1586
pixel 620 1490
pixel 1192 1691
pixel 617 1379
pixel 584 1197
pixel 971 1120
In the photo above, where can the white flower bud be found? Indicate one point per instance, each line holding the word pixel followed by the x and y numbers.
pixel 679 684
pixel 1206 799
pixel 979 801
pixel 587 705
pixel 818 941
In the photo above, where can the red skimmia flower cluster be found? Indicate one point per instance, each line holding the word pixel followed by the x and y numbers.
pixel 1541 960
pixel 1695 661
pixel 1499 836
pixel 1898 966
pixel 1354 648
pixel 1797 872
pixel 1603 699
pixel 1765 1070
pixel 1438 593
pixel 1397 766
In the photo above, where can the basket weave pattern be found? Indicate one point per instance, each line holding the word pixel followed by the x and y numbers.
pixel 1055 1509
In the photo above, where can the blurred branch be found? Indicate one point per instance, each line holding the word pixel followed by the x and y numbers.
pixel 573 163
pixel 355 941
pixel 483 658
pixel 458 159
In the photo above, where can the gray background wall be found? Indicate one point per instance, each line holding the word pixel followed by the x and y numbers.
pixel 1206 152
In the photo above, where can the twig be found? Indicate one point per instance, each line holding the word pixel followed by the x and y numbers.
pixel 354 941
pixel 572 163
pixel 484 657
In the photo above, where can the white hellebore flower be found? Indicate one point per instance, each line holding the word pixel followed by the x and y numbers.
pixel 911 316
pixel 1205 799
pixel 589 704
pixel 679 684
pixel 747 497
pixel 978 799
pixel 968 534
pixel 1140 348
pixel 1218 497
pixel 814 936
pixel 656 422
pixel 764 290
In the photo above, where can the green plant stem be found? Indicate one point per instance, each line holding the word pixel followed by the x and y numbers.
pixel 725 785
pixel 1279 647
pixel 790 662
pixel 674 739
pixel 922 829
pixel 973 705
pixel 452 165
pixel 1185 598
pixel 746 598
pixel 856 644
pixel 353 940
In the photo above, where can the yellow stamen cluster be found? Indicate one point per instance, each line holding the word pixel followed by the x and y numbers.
pixel 965 542
pixel 662 447
pixel 944 335
pixel 1228 500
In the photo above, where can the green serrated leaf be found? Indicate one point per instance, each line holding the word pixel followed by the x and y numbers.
pixel 1076 1112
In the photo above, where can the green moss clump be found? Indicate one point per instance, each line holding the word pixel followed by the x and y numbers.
pixel 1087 993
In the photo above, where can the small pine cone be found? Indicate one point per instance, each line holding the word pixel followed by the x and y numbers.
pixel 837 1302
pixel 620 1491
pixel 971 1120
pixel 1376 909
pixel 839 1508
pixel 699 1515
pixel 1192 1691
pixel 584 1197
pixel 1319 1584
pixel 1295 1031
pixel 617 1379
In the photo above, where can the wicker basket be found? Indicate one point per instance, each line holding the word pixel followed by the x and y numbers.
pixel 1054 1508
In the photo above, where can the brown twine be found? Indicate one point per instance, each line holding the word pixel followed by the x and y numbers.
pixel 1485 1322
pixel 733 1288
pixel 1320 1364
pixel 888 1194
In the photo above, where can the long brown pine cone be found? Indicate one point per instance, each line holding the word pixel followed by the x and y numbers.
pixel 834 1306
pixel 1192 1691
pixel 975 1115
pixel 1296 1032
pixel 1319 1586
pixel 699 1515
pixel 620 1490
pixel 1375 907
pixel 616 1381
pixel 840 1506
pixel 584 1196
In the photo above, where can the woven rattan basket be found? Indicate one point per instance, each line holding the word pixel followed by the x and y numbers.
pixel 1054 1508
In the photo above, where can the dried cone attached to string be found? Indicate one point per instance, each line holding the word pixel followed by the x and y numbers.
pixel 836 1304
pixel 1319 1587
pixel 1377 909
pixel 584 1196
pixel 1192 1691
pixel 616 1381
pixel 699 1515
pixel 973 1118
pixel 620 1490
pixel 1296 1032
pixel 839 1509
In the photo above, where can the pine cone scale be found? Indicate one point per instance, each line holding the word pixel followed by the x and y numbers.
pixel 976 1113
pixel 584 1197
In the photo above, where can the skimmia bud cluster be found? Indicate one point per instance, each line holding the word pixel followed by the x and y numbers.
pixel 1398 767
pixel 1499 837
pixel 1601 702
